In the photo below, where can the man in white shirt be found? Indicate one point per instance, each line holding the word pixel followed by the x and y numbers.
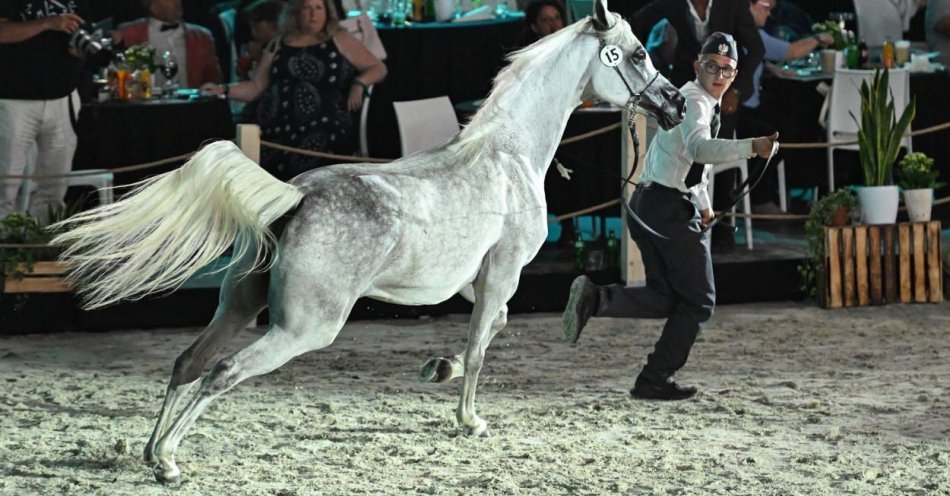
pixel 673 208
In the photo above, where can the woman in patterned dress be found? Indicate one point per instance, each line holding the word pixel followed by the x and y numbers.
pixel 311 83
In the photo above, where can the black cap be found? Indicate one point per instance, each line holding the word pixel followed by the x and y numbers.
pixel 720 43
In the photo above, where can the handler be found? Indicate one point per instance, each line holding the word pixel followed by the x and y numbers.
pixel 673 205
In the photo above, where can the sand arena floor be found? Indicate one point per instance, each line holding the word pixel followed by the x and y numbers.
pixel 794 400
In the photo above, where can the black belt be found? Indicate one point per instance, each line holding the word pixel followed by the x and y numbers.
pixel 661 187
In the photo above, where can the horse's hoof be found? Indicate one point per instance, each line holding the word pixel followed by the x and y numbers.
pixel 481 430
pixel 166 474
pixel 436 370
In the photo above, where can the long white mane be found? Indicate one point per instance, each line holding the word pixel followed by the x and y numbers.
pixel 522 65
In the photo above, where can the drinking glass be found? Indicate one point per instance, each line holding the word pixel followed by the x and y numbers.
pixel 169 69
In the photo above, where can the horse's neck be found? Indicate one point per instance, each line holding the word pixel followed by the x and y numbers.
pixel 542 104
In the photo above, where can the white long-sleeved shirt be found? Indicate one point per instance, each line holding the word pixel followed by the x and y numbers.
pixel 673 152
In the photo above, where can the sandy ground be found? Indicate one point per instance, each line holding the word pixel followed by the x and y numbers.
pixel 794 400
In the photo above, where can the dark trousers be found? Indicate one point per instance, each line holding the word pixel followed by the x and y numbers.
pixel 752 125
pixel 679 277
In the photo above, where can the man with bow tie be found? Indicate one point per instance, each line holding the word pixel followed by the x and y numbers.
pixel 672 209
pixel 191 45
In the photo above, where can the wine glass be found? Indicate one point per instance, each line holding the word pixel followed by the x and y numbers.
pixel 169 70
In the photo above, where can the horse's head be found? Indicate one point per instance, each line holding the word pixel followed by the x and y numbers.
pixel 624 73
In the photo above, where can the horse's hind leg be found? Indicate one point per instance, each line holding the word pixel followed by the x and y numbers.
pixel 443 369
pixel 295 332
pixel 240 301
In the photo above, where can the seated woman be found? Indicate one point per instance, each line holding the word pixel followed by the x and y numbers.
pixel 311 82
pixel 541 17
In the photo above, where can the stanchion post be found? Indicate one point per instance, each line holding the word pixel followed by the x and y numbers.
pixel 631 266
pixel 249 140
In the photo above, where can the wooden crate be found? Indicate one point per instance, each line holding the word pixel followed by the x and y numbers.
pixel 46 277
pixel 874 265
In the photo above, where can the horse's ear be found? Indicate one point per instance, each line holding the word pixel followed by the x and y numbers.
pixel 601 20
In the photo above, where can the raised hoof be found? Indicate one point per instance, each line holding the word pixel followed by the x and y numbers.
pixel 436 370
pixel 166 475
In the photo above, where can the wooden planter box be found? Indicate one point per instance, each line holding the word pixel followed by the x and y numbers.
pixel 46 277
pixel 875 265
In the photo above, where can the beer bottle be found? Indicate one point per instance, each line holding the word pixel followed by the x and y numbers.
pixel 862 54
pixel 613 251
pixel 887 53
pixel 580 253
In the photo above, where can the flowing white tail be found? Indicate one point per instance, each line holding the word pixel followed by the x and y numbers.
pixel 173 224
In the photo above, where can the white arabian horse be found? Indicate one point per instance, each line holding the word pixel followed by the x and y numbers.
pixel 461 218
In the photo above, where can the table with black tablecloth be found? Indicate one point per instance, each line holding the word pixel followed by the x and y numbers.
pixel 459 60
pixel 116 134
pixel 795 105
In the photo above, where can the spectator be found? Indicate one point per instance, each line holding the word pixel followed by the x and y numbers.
pixel 38 98
pixel 190 44
pixel 937 26
pixel 693 21
pixel 788 21
pixel 311 82
pixel 541 17
pixel 752 119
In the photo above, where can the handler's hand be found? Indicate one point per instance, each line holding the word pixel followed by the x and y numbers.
pixel 66 23
pixel 763 146
pixel 707 216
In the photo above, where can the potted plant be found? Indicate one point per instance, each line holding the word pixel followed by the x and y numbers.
pixel 879 140
pixel 832 210
pixel 919 182
pixel 21 229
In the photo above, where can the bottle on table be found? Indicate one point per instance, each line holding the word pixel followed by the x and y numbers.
pixel 862 55
pixel 580 253
pixel 887 53
pixel 613 251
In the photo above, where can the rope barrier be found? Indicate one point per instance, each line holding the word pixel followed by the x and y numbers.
pixel 919 132
pixel 350 158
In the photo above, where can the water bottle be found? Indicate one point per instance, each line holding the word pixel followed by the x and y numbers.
pixel 580 254
pixel 613 251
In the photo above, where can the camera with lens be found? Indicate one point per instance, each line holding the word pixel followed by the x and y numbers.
pixel 92 46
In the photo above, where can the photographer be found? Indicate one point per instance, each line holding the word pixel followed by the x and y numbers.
pixel 38 99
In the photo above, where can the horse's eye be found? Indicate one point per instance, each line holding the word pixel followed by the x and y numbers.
pixel 640 55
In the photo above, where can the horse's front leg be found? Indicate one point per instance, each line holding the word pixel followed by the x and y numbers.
pixel 443 369
pixel 494 286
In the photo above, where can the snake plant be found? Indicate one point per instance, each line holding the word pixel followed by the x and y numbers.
pixel 880 132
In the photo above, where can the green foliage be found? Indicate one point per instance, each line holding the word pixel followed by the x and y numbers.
pixel 915 171
pixel 19 228
pixel 22 229
pixel 140 56
pixel 812 268
pixel 880 133
pixel 834 29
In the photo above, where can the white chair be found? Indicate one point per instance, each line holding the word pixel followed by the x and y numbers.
pixel 425 124
pixel 845 99
pixel 101 179
pixel 364 118
pixel 743 167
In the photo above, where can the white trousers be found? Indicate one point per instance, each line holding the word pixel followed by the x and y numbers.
pixel 43 127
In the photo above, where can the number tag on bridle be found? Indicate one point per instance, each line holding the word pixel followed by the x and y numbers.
pixel 611 56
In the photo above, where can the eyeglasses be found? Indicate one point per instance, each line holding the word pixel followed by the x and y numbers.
pixel 713 68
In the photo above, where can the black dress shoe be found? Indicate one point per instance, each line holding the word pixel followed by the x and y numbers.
pixel 581 305
pixel 645 389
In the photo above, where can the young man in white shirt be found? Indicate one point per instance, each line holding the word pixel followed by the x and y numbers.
pixel 673 208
